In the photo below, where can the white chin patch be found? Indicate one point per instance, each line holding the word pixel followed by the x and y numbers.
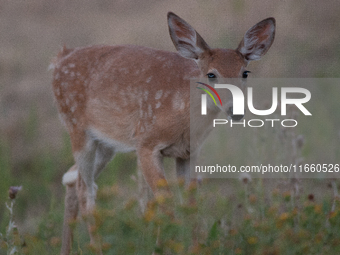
pixel 70 177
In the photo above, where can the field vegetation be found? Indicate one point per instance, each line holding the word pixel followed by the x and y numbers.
pixel 227 216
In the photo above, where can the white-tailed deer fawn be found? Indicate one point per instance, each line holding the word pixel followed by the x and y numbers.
pixel 132 98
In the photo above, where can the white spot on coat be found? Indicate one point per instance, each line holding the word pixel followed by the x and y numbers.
pixel 177 102
pixel 73 108
pixel 64 70
pixel 149 110
pixel 166 94
pixel 148 79
pixel 124 70
pixel 159 94
pixel 154 119
pixel 122 93
pixel 142 129
pixel 146 94
pixel 57 76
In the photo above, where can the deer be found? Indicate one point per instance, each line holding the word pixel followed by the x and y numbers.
pixel 132 98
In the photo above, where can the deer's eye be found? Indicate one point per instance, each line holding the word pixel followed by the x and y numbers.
pixel 245 74
pixel 211 76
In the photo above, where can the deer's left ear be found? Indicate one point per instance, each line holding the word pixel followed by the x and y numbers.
pixel 257 40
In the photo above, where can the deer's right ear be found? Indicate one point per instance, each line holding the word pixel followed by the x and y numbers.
pixel 257 40
pixel 187 41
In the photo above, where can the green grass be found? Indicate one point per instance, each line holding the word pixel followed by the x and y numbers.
pixel 209 221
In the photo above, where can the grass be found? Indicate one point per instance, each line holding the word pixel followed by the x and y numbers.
pixel 254 220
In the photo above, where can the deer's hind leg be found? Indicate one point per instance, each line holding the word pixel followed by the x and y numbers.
pixel 71 208
pixel 81 189
pixel 91 162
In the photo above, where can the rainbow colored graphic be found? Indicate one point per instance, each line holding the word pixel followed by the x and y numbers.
pixel 207 91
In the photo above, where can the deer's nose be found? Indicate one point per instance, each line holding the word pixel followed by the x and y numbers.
pixel 233 116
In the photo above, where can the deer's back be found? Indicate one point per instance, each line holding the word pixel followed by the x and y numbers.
pixel 124 93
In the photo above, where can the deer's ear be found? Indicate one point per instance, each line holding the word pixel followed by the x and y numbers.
pixel 257 40
pixel 187 41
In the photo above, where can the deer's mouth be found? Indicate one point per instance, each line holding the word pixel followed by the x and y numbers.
pixel 232 116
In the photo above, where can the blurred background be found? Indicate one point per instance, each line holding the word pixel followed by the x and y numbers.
pixel 34 147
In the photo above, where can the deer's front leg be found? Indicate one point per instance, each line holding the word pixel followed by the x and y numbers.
pixel 151 164
pixel 183 174
pixel 183 169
